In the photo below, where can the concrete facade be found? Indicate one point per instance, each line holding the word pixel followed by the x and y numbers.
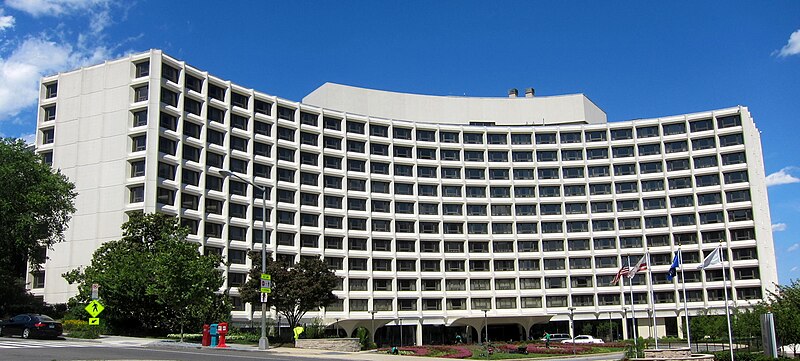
pixel 428 215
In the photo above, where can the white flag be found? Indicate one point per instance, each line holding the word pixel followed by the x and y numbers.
pixel 640 266
pixel 711 259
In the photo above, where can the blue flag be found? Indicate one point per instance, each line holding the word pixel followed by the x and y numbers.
pixel 674 268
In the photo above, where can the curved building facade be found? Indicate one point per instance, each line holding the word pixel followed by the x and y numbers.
pixel 436 211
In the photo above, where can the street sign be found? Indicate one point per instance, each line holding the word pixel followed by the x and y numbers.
pixel 95 289
pixel 264 297
pixel 266 283
pixel 94 308
pixel 94 321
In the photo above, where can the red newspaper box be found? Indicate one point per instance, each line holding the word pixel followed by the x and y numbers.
pixel 222 330
pixel 206 336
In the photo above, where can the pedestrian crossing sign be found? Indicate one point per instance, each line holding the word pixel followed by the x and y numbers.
pixel 94 321
pixel 94 308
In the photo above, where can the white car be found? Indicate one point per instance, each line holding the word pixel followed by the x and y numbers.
pixel 583 339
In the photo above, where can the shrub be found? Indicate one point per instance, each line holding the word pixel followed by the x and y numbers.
pixel 745 356
pixel 316 329
pixel 82 329
pixel 363 337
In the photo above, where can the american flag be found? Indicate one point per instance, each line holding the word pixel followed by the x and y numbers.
pixel 621 273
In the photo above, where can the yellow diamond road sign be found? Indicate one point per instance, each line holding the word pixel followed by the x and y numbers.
pixel 94 308
pixel 94 321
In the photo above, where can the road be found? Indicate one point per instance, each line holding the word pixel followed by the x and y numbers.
pixel 62 350
pixel 48 350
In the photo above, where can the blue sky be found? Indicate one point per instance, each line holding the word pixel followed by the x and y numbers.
pixel 633 59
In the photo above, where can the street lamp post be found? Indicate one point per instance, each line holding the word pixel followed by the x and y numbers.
pixel 650 321
pixel 610 328
pixel 400 321
pixel 337 327
pixel 572 326
pixel 572 323
pixel 624 319
pixel 372 332
pixel 263 342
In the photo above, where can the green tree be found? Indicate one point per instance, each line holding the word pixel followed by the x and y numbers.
pixel 36 204
pixel 746 322
pixel 153 280
pixel 785 305
pixel 299 288
pixel 709 325
pixel 251 290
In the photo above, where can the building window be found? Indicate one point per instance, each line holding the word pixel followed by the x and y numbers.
pixel 50 113
pixel 168 97
pixel 729 121
pixel 140 94
pixel 170 73
pixel 48 136
pixel 332 123
pixel 37 279
pixel 646 132
pixel 701 125
pixel 142 69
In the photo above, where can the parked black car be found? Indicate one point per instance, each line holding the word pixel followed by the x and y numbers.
pixel 31 325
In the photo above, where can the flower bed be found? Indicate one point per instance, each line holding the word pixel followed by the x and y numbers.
pixel 455 352
pixel 467 351
pixel 460 352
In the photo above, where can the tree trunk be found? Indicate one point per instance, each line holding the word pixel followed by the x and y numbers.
pixel 181 321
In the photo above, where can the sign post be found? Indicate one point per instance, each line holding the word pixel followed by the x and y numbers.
pixel 266 289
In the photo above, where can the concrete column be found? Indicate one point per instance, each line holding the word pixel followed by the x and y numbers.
pixel 419 333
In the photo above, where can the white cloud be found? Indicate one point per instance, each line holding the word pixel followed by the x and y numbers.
pixel 6 22
pixel 792 46
pixel 779 227
pixel 28 138
pixel 98 11
pixel 33 58
pixel 781 177
pixel 793 247
pixel 794 269
pixel 38 8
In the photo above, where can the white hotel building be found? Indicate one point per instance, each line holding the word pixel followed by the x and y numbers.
pixel 431 208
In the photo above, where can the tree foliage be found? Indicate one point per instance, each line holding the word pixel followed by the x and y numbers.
pixel 302 287
pixel 784 303
pixel 296 289
pixel 709 325
pixel 250 291
pixel 153 279
pixel 35 206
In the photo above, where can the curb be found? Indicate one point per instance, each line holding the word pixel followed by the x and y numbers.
pixel 197 346
pixel 75 339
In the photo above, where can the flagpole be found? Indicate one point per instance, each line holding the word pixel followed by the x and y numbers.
pixel 725 292
pixel 685 301
pixel 633 308
pixel 652 298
